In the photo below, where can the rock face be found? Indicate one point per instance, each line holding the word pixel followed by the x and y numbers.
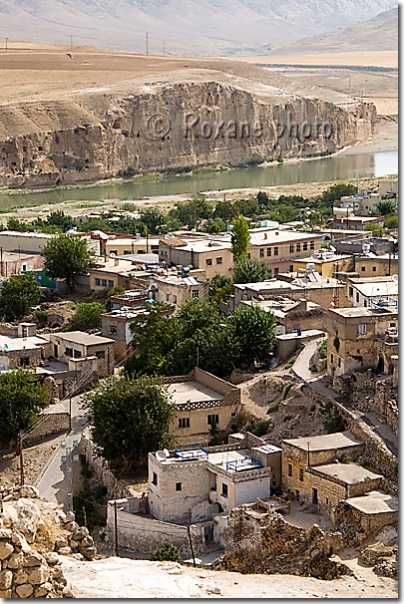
pixel 266 543
pixel 163 127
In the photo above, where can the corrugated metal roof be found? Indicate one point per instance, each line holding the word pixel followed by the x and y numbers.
pixel 190 281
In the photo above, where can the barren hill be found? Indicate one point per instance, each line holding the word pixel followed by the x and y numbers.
pixel 188 27
pixel 379 33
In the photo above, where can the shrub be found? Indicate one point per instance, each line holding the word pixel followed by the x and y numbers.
pixel 288 387
pixel 336 343
pixel 290 363
pixel 333 423
pixel 262 427
pixel 166 551
pixel 346 458
pixel 273 407
pixel 323 350
pixel 287 418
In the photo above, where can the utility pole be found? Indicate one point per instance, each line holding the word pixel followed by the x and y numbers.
pixel 70 414
pixel 116 530
pixel 21 458
pixel 147 44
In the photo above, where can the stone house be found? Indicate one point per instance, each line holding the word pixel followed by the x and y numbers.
pixel 325 263
pixel 26 350
pixel 210 255
pixel 195 483
pixel 202 401
pixel 116 326
pixel 176 288
pixel 362 290
pixel 361 339
pixel 356 223
pixel 312 470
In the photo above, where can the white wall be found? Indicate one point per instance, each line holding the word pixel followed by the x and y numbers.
pixel 248 491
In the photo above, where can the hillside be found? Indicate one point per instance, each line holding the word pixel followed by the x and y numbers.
pixel 377 34
pixel 187 27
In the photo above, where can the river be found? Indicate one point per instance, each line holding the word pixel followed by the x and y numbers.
pixel 338 167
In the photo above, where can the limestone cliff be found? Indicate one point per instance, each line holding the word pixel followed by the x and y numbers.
pixel 162 126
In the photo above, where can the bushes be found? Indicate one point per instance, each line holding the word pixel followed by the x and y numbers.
pixel 322 351
pixel 288 387
pixel 290 363
pixel 333 423
pixel 262 427
pixel 166 551
pixel 273 407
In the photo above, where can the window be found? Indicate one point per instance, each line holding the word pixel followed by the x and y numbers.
pixel 269 251
pixel 224 490
pixel 357 297
pixel 112 329
pixel 249 255
pixel 104 282
pixel 175 299
pixel 167 297
pixel 24 361
pixel 291 268
pixel 195 293
pixel 276 271
pixel 339 362
pixel 126 252
pixel 291 248
pixel 219 260
pixel 110 283
pixel 298 247
pixel 331 358
pixel 69 352
pixel 183 422
pixel 99 354
pixel 208 261
pixel 350 292
pixel 262 252
pixel 98 281
pixel 24 268
pixel 392 325
pixel 312 245
pixel 77 354
pixel 290 470
pixel 155 479
pixel 126 282
pixel 374 269
pixel 305 245
pixel 213 419
pixel 327 501
pixel 115 252
pixel 178 486
pixel 363 269
pixel 365 303
pixel 276 251
pixel 361 330
pixel 301 474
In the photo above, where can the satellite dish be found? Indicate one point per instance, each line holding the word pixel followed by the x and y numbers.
pixel 161 456
pixel 395 278
pixel 166 453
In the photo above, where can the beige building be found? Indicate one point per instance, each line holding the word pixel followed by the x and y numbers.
pixel 120 246
pixel 362 338
pixel 203 402
pixel 25 350
pixel 209 255
pixel 280 248
pixel 376 266
pixel 77 347
pixel 14 263
pixel 194 484
pixel 111 273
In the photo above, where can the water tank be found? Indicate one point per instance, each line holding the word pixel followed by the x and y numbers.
pixel 310 266
pixel 366 248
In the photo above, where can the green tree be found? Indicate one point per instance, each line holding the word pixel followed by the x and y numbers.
pixel 385 207
pixel 153 219
pixel 129 417
pixel 240 238
pixel 253 333
pixel 250 270
pixel 13 224
pixel 18 295
pixel 391 221
pixel 376 229
pixel 220 287
pixel 22 398
pixel 87 316
pixel 67 257
pixel 335 192
pixel 166 552
pixel 61 220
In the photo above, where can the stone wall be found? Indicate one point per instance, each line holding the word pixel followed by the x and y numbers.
pixel 356 527
pixel 102 473
pixel 48 423
pixel 142 533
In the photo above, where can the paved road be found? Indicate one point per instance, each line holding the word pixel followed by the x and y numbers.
pixel 56 483
pixel 302 363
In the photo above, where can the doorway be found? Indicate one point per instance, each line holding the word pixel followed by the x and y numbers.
pixel 314 496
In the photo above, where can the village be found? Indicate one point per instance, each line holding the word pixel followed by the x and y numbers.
pixel 277 462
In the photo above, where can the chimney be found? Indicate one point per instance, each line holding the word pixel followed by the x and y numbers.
pixel 116 261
